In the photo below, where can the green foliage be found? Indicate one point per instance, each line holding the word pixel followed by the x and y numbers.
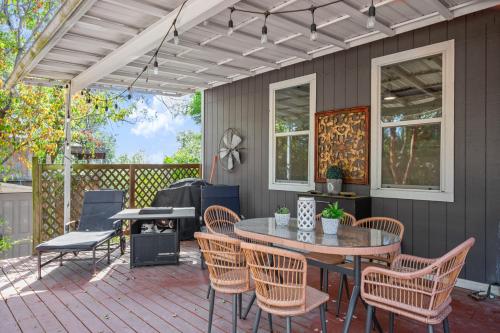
pixel 332 211
pixel 282 210
pixel 194 107
pixel 334 172
pixel 137 158
pixel 5 241
pixel 189 151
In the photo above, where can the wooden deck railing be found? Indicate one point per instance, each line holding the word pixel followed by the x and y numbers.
pixel 140 181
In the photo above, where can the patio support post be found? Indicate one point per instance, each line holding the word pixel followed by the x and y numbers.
pixel 67 157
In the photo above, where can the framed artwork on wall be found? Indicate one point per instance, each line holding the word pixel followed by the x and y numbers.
pixel 342 138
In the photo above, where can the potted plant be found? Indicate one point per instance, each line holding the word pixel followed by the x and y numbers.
pixel 330 218
pixel 282 215
pixel 334 175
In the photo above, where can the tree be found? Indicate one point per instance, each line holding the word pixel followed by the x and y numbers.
pixel 189 151
pixel 136 158
pixel 32 118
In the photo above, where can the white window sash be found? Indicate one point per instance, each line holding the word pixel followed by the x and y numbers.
pixel 294 186
pixel 446 191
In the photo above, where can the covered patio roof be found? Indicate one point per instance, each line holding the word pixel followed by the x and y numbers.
pixel 107 43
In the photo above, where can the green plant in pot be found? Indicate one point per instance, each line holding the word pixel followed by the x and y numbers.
pixel 282 215
pixel 330 218
pixel 334 175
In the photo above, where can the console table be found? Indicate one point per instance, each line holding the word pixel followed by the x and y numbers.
pixel 156 248
pixel 359 206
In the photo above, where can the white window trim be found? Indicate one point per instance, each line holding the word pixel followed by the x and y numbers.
pixel 445 193
pixel 294 187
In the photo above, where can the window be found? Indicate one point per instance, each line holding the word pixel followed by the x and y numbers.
pixel 292 104
pixel 412 124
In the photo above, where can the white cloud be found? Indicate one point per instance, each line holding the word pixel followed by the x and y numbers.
pixel 157 120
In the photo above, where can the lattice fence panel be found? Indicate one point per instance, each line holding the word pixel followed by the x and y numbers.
pixel 140 181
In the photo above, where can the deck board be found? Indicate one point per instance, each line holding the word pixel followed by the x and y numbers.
pixel 165 299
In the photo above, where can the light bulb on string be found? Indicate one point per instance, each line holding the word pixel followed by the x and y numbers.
pixel 155 66
pixel 116 106
pixel 129 96
pixel 370 23
pixel 314 33
pixel 176 36
pixel 263 36
pixel 230 24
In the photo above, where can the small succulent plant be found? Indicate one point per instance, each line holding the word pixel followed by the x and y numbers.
pixel 332 211
pixel 334 172
pixel 282 210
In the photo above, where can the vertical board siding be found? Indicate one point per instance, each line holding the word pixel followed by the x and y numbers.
pixel 343 80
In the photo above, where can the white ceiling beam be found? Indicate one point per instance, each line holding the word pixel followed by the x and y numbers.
pixel 126 84
pixel 50 74
pixel 140 6
pixel 61 66
pixel 255 41
pixel 193 13
pixel 65 53
pixel 203 64
pixel 85 40
pixel 165 69
pixel 122 74
pixel 119 89
pixel 357 16
pixel 440 8
pixel 294 26
pixel 97 24
pixel 226 53
pixel 65 18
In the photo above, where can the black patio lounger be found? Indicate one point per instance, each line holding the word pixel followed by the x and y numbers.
pixel 93 229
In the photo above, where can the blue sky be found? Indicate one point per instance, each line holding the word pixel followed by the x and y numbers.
pixel 154 135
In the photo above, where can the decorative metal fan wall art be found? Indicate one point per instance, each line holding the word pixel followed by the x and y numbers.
pixel 229 149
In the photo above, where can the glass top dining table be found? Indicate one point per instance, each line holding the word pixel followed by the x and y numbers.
pixel 351 241
pixel 348 240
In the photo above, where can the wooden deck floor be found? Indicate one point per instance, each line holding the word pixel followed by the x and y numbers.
pixel 165 299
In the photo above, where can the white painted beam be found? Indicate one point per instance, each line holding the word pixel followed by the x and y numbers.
pixel 112 87
pixel 158 78
pixel 100 25
pixel 64 54
pixel 360 18
pixel 80 40
pixel 140 6
pixel 440 8
pixel 65 18
pixel 194 13
pixel 120 83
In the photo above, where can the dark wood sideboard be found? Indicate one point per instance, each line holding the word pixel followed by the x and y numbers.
pixel 359 206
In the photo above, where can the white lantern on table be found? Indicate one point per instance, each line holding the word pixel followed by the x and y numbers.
pixel 306 213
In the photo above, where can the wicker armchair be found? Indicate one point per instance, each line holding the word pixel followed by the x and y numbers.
pixel 415 287
pixel 220 220
pixel 280 278
pixel 326 261
pixel 227 269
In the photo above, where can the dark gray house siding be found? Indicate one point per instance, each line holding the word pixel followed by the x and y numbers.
pixel 343 80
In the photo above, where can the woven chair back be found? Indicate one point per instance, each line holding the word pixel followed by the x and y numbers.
pixel 220 220
pixel 280 276
pixel 225 261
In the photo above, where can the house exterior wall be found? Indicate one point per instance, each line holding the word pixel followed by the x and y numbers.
pixel 343 80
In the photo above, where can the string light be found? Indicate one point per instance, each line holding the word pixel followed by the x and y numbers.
pixel 263 37
pixel 370 23
pixel 176 36
pixel 314 33
pixel 230 25
pixel 116 106
pixel 129 96
pixel 155 66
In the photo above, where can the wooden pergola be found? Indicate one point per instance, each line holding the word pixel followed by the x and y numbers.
pixel 105 44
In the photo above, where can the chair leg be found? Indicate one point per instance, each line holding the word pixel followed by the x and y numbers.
pixel 93 262
pixel 321 277
pixel 446 325
pixel 39 265
pixel 252 300
pixel 339 295
pixel 391 322
pixel 235 314
pixel 346 285
pixel 369 316
pixel 240 300
pixel 288 324
pixel 257 320
pixel 208 290
pixel 430 329
pixel 324 287
pixel 211 309
pixel 322 317
pixel 270 320
pixel 109 251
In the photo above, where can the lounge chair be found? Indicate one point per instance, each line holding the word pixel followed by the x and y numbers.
pixel 93 229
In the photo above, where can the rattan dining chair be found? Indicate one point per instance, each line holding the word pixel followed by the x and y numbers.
pixel 327 261
pixel 415 287
pixel 280 278
pixel 220 220
pixel 386 224
pixel 227 269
